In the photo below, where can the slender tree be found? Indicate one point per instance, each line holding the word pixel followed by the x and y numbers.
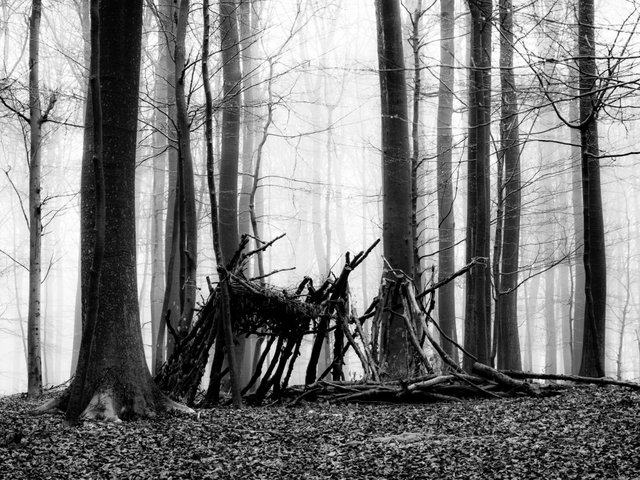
pixel 248 37
pixel 446 224
pixel 416 45
pixel 594 247
pixel 478 293
pixel 160 146
pixel 508 238
pixel 171 310
pixel 188 221
pixel 396 170
pixel 34 367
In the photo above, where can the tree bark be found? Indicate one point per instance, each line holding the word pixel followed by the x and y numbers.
pixel 415 144
pixel 508 341
pixel 160 146
pixel 171 302
pixel 478 293
pixel 86 185
pixel 594 242
pixel 228 204
pixel 248 37
pixel 34 348
pixel 112 380
pixel 396 172
pixel 190 233
pixel 444 143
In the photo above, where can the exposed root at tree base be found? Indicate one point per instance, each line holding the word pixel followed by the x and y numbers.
pixel 105 406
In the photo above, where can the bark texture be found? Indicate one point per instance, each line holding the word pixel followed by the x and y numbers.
pixel 397 233
pixel 117 383
pixel 228 203
pixel 188 222
pixel 506 316
pixel 594 247
pixel 478 293
pixel 446 223
pixel 34 354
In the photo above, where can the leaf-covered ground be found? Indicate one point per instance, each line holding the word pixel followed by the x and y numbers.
pixel 584 433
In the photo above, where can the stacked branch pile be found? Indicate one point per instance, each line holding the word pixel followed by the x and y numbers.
pixel 284 319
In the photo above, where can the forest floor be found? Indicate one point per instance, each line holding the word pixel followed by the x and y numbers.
pixel 588 432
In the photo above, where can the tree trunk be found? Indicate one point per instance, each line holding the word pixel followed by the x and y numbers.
pixel 112 380
pixel 189 253
pixel 160 146
pixel 564 316
pixel 508 341
pixel 478 293
pixel 34 367
pixel 415 144
pixel 578 294
pixel 86 185
pixel 167 13
pixel 551 345
pixel 396 173
pixel 531 306
pixel 446 223
pixel 248 38
pixel 594 247
pixel 228 204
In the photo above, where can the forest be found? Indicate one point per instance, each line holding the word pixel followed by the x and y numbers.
pixel 246 201
pixel 406 227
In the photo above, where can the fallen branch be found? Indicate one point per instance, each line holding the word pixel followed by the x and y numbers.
pixel 571 378
pixel 502 379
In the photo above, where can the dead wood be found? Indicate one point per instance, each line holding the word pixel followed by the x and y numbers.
pixel 505 380
pixel 570 378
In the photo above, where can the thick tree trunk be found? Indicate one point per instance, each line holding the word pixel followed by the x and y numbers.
pixel 446 223
pixel 228 204
pixel 396 173
pixel 594 247
pixel 478 293
pixel 34 364
pixel 112 379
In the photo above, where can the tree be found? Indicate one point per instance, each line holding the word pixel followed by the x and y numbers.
pixel 446 224
pixel 34 366
pixel 228 203
pixel 509 202
pixel 188 222
pixel 160 147
pixel 478 293
pixel 112 379
pixel 416 163
pixel 171 303
pixel 397 234
pixel 594 247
